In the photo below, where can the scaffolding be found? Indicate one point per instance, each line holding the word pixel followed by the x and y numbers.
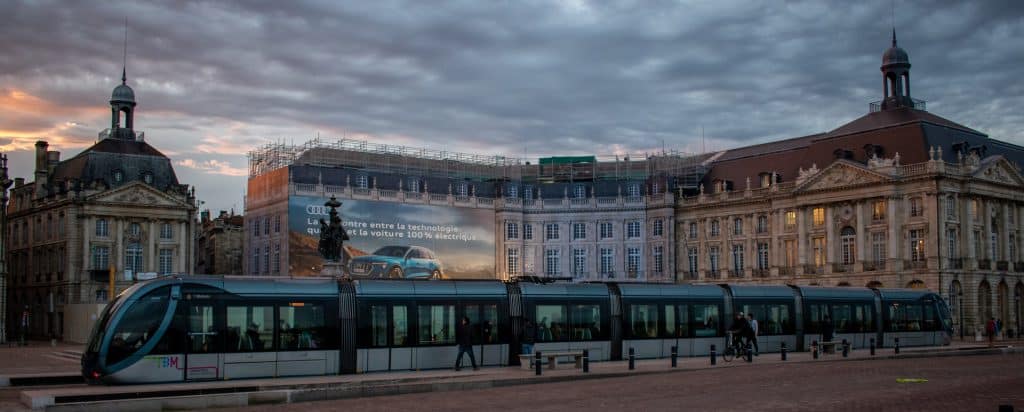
pixel 385 158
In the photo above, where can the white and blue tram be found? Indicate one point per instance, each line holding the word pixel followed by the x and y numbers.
pixel 218 328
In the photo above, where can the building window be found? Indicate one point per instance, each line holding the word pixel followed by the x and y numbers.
pixel 166 260
pixel 134 229
pixel 118 176
pixel 791 219
pixel 607 261
pixel 527 231
pixel 133 258
pixel 917 245
pixel 819 216
pixel 102 228
pixel 762 255
pixel 579 191
pixel 658 227
pixel 551 262
pixel 60 225
pixel 848 245
pixel 633 229
pixel 737 226
pixel 951 208
pixel 579 261
pixel 528 192
pixel 266 259
pixel 693 230
pixel 414 185
pixel 691 258
pixel 277 223
pixel 277 258
pixel 659 259
pixel 737 258
pixel 551 231
pixel 148 178
pixel 976 240
pixel 266 225
pixel 916 207
pixel 511 230
pixel 513 191
pixel 256 227
pixel 878 210
pixel 975 210
pixel 512 262
pixel 1013 248
pixel 606 230
pixel 166 231
pixel 993 250
pixel 579 231
pixel 951 244
pixel 633 260
pixel 762 224
pixel 713 258
pixel 765 180
pixel 100 257
pixel 256 260
pixel 362 181
pixel 633 190
pixel 715 230
pixel 791 252
pixel 462 190
pixel 819 251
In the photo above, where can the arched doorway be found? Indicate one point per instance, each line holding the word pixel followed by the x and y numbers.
pixel 984 302
pixel 874 284
pixel 1003 300
pixel 915 284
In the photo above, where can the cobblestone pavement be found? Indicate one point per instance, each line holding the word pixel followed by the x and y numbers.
pixel 969 383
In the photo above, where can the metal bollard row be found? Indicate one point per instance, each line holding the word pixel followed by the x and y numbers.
pixel 814 349
pixel 872 346
pixel 897 347
pixel 713 354
pixel 846 349
pixel 632 359
pixel 783 351
pixel 675 356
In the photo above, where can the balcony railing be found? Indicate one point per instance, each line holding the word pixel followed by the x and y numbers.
pixel 955 263
pixel 876 106
pixel 1003 265
pixel 735 274
pixel 1018 267
pixel 985 264
pixel 691 275
pixel 786 271
pixel 762 273
pixel 713 274
pixel 918 264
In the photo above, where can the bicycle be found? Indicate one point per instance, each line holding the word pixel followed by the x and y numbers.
pixel 733 348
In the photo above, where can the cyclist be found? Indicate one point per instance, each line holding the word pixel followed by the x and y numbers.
pixel 739 330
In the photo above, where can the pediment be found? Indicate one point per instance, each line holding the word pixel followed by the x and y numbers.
pixel 138 194
pixel 841 173
pixel 999 170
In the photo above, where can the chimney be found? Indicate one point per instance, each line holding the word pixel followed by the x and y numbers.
pixel 19 181
pixel 41 168
pixel 52 158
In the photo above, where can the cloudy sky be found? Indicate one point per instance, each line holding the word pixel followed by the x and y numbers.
pixel 518 78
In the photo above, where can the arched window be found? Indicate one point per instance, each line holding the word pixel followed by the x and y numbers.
pixel 984 301
pixel 874 284
pixel 915 284
pixel 762 224
pixel 848 245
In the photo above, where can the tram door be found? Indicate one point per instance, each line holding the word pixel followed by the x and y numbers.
pixel 202 360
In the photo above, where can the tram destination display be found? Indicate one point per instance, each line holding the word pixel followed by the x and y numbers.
pixel 395 240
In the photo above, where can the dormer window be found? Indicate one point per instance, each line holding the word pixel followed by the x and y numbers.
pixel 362 181
pixel 513 191
pixel 118 176
pixel 633 190
pixel 579 191
pixel 765 179
pixel 147 177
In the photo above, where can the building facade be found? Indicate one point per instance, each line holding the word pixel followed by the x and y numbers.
pixel 115 207
pixel 219 244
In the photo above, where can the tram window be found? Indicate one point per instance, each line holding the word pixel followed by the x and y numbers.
pixel 139 323
pixel 905 317
pixel 776 320
pixel 173 340
pixel 473 313
pixel 585 322
pixel 930 321
pixel 551 326
pixel 705 321
pixel 202 336
pixel 670 321
pixel 303 326
pixel 490 325
pixel 842 318
pixel 400 319
pixel 815 314
pixel 378 326
pixel 437 324
pixel 643 321
pixel 677 323
pixel 250 328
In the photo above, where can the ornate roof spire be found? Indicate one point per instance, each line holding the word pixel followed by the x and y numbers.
pixel 893 36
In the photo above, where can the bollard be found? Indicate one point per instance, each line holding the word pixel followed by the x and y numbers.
pixel 586 361
pixel 783 351
pixel 814 349
pixel 536 362
pixel 632 359
pixel 872 346
pixel 897 347
pixel 750 353
pixel 712 354
pixel 846 349
pixel 675 356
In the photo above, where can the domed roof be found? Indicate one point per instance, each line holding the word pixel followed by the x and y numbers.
pixel 123 93
pixel 895 54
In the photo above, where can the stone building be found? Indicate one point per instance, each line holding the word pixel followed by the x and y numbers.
pixel 899 197
pixel 219 244
pixel 117 204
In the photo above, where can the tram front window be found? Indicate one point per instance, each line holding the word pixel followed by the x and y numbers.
pixel 99 330
pixel 139 324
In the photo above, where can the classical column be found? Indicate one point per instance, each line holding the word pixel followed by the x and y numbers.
pixel 858 265
pixel 986 242
pixel 1004 233
pixel 117 226
pixel 830 240
pixel 801 231
pixel 967 214
pixel 182 251
pixel 153 232
pixel 87 228
pixel 935 233
pixel 895 234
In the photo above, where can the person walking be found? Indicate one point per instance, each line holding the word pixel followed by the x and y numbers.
pixel 528 338
pixel 827 330
pixel 990 330
pixel 463 336
pixel 752 334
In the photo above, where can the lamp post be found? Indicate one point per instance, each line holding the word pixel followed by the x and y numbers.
pixel 5 183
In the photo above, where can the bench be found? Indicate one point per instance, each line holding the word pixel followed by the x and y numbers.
pixel 526 360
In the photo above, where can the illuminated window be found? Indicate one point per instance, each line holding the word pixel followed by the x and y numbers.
pixel 878 210
pixel 819 251
pixel 513 262
pixel 819 216
pixel 916 207
pixel 791 218
pixel 916 245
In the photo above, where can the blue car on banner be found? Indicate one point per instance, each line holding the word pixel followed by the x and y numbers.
pixel 397 262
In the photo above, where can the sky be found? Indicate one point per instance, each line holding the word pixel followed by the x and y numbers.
pixel 524 78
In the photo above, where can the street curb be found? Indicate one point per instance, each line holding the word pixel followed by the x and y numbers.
pixel 296 393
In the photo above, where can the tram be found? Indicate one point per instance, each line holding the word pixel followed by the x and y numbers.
pixel 201 328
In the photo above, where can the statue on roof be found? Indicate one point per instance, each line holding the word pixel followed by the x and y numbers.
pixel 332 233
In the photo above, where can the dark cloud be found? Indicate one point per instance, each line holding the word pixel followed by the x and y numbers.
pixel 216 79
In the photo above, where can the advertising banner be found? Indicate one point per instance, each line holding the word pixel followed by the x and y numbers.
pixel 395 240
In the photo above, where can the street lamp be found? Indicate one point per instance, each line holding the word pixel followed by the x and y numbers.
pixel 5 183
